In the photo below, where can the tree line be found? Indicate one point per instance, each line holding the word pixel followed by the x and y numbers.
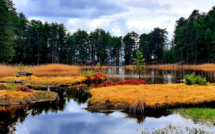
pixel 194 39
pixel 33 42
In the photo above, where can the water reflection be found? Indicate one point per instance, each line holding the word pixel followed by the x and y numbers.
pixel 66 115
pixel 13 114
pixel 156 76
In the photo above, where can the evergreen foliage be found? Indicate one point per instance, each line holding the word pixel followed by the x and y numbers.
pixel 33 42
pixel 193 79
pixel 139 63
pixel 21 67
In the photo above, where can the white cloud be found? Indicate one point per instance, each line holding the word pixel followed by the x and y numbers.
pixel 141 16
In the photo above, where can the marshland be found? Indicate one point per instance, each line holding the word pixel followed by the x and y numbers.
pixel 60 73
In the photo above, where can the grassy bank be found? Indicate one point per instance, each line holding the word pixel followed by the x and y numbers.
pixel 203 67
pixel 41 70
pixel 16 97
pixel 197 114
pixel 47 81
pixel 137 98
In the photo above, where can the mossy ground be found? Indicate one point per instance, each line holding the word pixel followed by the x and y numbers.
pixel 197 114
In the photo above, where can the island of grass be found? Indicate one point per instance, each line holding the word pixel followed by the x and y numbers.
pixel 46 81
pixel 19 97
pixel 34 81
pixel 139 98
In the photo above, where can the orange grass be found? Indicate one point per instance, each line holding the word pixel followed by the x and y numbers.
pixel 3 86
pixel 203 67
pixel 48 80
pixel 41 70
pixel 153 96
pixel 52 69
pixel 6 70
pixel 14 97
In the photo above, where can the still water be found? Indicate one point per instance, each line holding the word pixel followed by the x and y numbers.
pixel 156 76
pixel 67 115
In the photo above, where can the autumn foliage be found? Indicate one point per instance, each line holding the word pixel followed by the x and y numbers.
pixel 131 82
pixel 72 75
pixel 123 82
pixel 98 76
pixel 25 89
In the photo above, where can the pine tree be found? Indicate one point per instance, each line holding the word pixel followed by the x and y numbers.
pixel 22 39
pixel 82 45
pixel 139 63
pixel 208 40
pixel 129 42
pixel 8 22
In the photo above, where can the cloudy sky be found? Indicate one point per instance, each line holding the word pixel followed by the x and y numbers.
pixel 116 16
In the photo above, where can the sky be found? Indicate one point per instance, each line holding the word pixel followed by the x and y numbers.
pixel 116 16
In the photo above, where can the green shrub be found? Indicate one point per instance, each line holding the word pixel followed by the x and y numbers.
pixel 88 73
pixel 193 79
pixel 12 86
pixel 200 80
pixel 190 79
pixel 21 67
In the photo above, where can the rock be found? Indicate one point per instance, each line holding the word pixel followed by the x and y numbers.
pixel 19 81
pixel 20 74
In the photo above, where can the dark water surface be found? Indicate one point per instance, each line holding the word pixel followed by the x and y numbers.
pixel 156 76
pixel 67 115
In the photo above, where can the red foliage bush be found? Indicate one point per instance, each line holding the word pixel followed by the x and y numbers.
pixel 89 78
pixel 124 82
pixel 75 75
pixel 108 83
pixel 105 84
pixel 131 82
pixel 25 89
pixel 97 77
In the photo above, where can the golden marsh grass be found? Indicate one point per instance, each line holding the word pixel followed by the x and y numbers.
pixel 10 97
pixel 47 80
pixel 152 96
pixel 40 70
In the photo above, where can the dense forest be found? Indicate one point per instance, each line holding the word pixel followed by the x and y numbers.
pixel 33 42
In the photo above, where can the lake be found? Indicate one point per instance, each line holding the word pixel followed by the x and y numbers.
pixel 67 115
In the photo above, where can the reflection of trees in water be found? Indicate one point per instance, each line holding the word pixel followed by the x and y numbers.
pixel 8 119
pixel 157 76
pixel 176 76
pixel 14 114
pixel 78 94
